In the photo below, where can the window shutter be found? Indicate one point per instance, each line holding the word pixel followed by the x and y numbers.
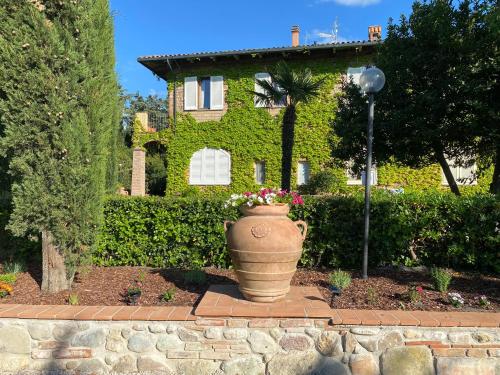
pixel 190 93
pixel 303 172
pixel 222 168
pixel 216 92
pixel 195 168
pixel 260 172
pixel 257 88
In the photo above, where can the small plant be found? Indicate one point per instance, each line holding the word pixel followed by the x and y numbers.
pixel 141 277
pixel 340 279
pixel 372 296
pixel 14 267
pixel 168 295
pixel 415 293
pixel 5 290
pixel 441 279
pixel 73 299
pixel 483 301
pixel 456 299
pixel 133 295
pixel 196 277
pixel 8 278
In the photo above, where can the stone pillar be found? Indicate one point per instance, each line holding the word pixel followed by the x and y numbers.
pixel 138 186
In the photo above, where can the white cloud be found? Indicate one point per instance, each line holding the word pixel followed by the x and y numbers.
pixel 350 3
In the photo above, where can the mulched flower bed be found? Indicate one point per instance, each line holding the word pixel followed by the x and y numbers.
pixel 385 289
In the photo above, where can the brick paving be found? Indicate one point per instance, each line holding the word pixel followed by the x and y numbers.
pixel 302 306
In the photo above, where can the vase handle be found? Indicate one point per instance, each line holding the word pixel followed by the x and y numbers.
pixel 227 224
pixel 303 224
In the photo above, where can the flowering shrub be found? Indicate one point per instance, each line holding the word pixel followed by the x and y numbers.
pixel 5 289
pixel 415 293
pixel 456 299
pixel 265 196
pixel 483 301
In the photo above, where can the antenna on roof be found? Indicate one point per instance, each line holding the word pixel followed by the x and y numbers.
pixel 333 36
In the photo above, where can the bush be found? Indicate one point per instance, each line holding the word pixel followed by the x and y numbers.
pixel 326 181
pixel 440 279
pixel 340 279
pixel 8 278
pixel 441 229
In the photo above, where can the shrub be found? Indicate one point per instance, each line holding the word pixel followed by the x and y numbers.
pixel 340 279
pixel 14 267
pixel 449 231
pixel 327 181
pixel 8 278
pixel 168 295
pixel 414 293
pixel 440 279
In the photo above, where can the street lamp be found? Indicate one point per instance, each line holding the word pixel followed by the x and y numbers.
pixel 372 80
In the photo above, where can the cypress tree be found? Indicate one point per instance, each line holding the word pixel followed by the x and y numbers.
pixel 59 114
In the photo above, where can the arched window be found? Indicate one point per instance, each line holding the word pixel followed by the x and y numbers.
pixel 210 167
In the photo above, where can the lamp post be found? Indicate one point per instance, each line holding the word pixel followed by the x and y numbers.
pixel 372 80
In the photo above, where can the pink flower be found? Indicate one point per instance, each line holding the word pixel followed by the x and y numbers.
pixel 419 289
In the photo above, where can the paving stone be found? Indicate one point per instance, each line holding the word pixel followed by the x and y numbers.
pixel 411 360
pixel 140 343
pixel 329 344
pixel 244 366
pixel 169 342
pixel 295 341
pixel 39 331
pixel 14 340
pixel 125 364
pixel 363 364
pixel 467 366
pixel 262 343
pixel 91 339
pixel 390 340
pixel 235 333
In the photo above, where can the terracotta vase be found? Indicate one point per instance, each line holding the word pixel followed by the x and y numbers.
pixel 265 246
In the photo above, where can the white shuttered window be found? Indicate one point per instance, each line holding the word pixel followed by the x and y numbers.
pixel 462 175
pixel 260 172
pixel 216 92
pixel 210 167
pixel 190 93
pixel 303 172
pixel 259 89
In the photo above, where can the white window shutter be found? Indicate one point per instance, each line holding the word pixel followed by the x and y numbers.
pixel 195 168
pixel 303 172
pixel 216 92
pixel 190 93
pixel 259 89
pixel 222 168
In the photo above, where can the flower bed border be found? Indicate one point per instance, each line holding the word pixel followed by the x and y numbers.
pixel 186 313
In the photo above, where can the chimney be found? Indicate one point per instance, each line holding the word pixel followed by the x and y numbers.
pixel 295 36
pixel 374 33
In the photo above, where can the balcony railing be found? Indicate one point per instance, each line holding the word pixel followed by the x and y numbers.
pixel 153 122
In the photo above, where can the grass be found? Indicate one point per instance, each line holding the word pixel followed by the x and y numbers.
pixel 340 279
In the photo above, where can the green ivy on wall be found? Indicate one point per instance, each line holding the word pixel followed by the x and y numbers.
pixel 252 134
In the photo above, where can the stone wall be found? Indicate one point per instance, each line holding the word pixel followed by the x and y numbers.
pixel 241 346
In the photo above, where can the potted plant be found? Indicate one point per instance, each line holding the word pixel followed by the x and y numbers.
pixel 265 245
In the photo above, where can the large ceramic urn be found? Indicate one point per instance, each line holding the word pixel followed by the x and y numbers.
pixel 265 246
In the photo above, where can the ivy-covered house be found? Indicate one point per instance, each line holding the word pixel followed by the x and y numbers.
pixel 220 138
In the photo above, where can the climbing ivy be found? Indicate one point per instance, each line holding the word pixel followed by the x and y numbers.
pixel 252 134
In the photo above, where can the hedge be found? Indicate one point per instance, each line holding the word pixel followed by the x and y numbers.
pixel 440 229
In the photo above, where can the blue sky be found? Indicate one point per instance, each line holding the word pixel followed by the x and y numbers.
pixel 149 27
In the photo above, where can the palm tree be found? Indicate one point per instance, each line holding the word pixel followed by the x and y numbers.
pixel 291 88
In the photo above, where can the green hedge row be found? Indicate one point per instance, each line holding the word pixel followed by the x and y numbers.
pixel 439 228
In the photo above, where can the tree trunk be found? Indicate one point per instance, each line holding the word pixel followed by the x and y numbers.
pixel 54 275
pixel 495 182
pixel 447 173
pixel 287 140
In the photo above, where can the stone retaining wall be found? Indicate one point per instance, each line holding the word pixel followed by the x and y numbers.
pixel 244 347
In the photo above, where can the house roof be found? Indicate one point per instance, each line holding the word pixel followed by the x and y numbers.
pixel 162 65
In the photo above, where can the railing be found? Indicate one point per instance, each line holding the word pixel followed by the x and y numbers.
pixel 153 122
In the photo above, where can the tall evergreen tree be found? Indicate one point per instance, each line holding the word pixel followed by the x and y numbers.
pixel 59 114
